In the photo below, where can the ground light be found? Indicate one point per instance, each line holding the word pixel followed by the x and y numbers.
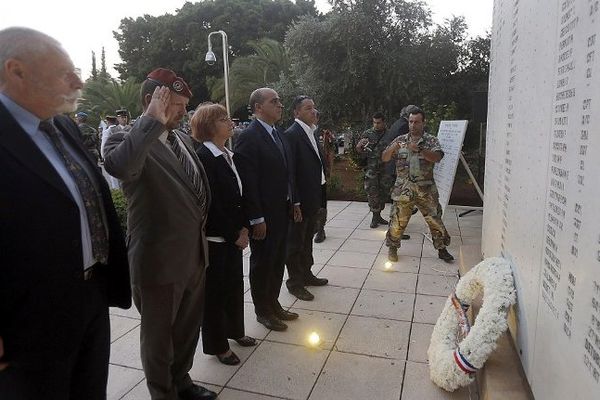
pixel 314 339
pixel 387 266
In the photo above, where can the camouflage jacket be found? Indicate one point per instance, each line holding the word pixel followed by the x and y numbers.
pixel 372 152
pixel 413 166
pixel 89 137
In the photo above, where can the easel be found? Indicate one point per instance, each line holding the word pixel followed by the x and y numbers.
pixel 479 192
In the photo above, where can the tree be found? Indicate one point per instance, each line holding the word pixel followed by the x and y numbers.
pixel 101 98
pixel 380 55
pixel 179 41
pixel 263 68
pixel 103 75
pixel 94 69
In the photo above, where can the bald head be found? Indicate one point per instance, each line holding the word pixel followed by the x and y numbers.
pixel 37 73
pixel 23 44
pixel 266 105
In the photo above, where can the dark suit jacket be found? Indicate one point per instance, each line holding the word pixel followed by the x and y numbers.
pixel 306 170
pixel 41 262
pixel 226 215
pixel 166 223
pixel 264 172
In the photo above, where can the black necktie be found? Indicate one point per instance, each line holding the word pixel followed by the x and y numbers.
pixel 91 199
pixel 189 169
pixel 278 143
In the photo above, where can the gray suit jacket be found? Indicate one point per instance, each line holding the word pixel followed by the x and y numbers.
pixel 166 224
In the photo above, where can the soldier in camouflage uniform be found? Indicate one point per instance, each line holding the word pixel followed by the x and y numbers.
pixel 378 181
pixel 415 154
pixel 89 135
pixel 326 143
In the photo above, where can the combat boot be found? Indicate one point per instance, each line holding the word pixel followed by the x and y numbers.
pixel 381 220
pixel 393 254
pixel 375 219
pixel 444 255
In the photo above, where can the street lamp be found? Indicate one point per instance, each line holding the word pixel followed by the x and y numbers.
pixel 211 59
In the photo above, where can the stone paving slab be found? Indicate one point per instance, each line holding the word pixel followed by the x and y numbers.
pixel 375 323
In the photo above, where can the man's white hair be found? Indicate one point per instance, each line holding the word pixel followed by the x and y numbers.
pixel 23 43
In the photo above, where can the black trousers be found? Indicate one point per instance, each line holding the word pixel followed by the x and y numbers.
pixel 267 263
pixel 224 302
pixel 80 374
pixel 299 258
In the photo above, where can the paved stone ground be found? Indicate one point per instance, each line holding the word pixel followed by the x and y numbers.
pixel 374 324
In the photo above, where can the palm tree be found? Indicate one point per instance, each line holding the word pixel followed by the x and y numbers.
pixel 103 97
pixel 263 68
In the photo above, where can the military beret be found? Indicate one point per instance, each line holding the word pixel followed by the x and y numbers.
pixel 168 78
pixel 122 113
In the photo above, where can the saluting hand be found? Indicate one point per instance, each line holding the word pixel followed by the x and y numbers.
pixel 159 103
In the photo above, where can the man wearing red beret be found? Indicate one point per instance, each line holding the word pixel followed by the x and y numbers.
pixel 168 198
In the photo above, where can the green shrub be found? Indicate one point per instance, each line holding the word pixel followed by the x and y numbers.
pixel 120 203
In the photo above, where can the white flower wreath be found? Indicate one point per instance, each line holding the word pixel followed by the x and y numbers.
pixel 452 362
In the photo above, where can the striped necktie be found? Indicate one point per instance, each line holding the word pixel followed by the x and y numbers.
pixel 190 170
pixel 90 196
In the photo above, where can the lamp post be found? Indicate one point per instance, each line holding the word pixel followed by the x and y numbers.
pixel 210 58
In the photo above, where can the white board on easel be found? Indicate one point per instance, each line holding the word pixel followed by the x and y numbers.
pixel 450 135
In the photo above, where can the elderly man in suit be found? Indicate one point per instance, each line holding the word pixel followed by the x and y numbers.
pixel 264 163
pixel 308 176
pixel 63 257
pixel 168 198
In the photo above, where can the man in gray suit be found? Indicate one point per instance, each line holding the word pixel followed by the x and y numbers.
pixel 168 198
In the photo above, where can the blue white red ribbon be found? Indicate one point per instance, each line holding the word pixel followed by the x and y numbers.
pixel 462 363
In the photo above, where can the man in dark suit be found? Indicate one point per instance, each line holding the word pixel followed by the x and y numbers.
pixel 168 198
pixel 308 176
pixel 63 257
pixel 264 163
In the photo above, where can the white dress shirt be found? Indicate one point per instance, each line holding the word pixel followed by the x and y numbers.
pixel 310 132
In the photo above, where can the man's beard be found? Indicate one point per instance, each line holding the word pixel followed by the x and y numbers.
pixel 70 102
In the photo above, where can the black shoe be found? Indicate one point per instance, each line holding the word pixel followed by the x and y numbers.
pixel 246 341
pixel 320 237
pixel 197 392
pixel 414 211
pixel 382 221
pixel 285 315
pixel 314 281
pixel 393 254
pixel 444 255
pixel 272 323
pixel 231 359
pixel 301 293
pixel 405 237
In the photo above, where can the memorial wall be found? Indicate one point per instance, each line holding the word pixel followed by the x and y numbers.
pixel 542 186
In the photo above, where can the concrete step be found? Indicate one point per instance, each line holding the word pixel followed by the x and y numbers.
pixel 502 377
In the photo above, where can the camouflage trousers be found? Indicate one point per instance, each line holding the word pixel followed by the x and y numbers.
pixel 377 186
pixel 425 198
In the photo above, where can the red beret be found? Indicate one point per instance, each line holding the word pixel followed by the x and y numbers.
pixel 168 78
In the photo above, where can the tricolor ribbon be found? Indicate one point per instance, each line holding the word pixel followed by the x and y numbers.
pixel 462 363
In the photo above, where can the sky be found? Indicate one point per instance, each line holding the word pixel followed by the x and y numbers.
pixel 84 26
